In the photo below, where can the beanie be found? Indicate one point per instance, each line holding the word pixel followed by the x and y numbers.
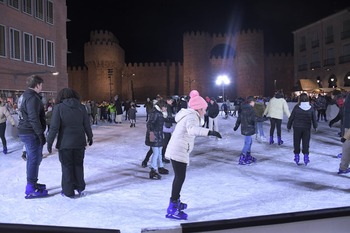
pixel 196 101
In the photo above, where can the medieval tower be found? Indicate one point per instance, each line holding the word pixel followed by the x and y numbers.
pixel 240 56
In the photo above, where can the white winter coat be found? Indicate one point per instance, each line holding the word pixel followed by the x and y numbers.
pixel 276 107
pixel 182 140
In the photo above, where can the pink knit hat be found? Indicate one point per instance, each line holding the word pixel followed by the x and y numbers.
pixel 196 101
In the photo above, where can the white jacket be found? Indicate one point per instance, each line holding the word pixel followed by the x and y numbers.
pixel 188 126
pixel 276 107
pixel 5 114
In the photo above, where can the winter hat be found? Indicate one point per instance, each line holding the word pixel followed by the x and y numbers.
pixel 196 101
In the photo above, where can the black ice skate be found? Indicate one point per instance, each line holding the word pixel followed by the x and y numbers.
pixel 154 175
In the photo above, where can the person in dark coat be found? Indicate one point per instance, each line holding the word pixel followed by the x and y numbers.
pixel 119 110
pixel 71 123
pixel 168 127
pixel 213 112
pixel 31 128
pixel 247 120
pixel 154 138
pixel 303 116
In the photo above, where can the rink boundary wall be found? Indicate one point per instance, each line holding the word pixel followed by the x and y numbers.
pixel 314 221
pixel 26 228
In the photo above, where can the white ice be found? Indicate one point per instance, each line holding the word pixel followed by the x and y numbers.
pixel 121 195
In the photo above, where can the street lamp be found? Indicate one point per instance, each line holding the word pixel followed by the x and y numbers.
pixel 222 80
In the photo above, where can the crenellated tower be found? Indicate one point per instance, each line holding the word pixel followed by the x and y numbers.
pixel 105 61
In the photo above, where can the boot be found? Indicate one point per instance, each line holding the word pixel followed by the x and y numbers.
pixel 131 125
pixel 33 192
pixel 306 159
pixel 162 170
pixel 175 210
pixel 154 175
pixel 4 150
pixel 296 158
pixel 242 159
pixel 249 158
pixel 271 140
pixel 280 142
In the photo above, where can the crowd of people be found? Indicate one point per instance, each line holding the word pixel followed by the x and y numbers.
pixel 171 127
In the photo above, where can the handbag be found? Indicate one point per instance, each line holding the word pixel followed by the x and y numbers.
pixel 152 137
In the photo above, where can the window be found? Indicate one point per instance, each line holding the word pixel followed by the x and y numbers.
pixel 346 29
pixel 50 53
pixel 49 12
pixel 329 35
pixel 13 3
pixel 27 6
pixel 302 44
pixel 2 1
pixel 39 9
pixel 39 42
pixel 28 47
pixel 15 44
pixel 2 41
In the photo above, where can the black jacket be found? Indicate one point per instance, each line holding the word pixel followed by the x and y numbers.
pixel 71 122
pixel 213 110
pixel 155 124
pixel 247 120
pixel 33 114
pixel 300 118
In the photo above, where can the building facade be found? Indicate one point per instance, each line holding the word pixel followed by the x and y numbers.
pixel 32 41
pixel 322 51
pixel 239 56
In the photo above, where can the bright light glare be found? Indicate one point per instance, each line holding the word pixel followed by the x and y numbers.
pixel 222 79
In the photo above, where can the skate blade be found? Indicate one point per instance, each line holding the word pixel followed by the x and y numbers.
pixel 171 216
pixel 36 196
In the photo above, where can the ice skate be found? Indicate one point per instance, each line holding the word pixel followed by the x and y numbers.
pixel 296 158
pixel 154 175
pixel 33 192
pixel 174 210
pixel 40 186
pixel 271 140
pixel 306 159
pixel 344 171
pixel 249 159
pixel 280 142
pixel 5 150
pixel 162 170
pixel 242 159
pixel 144 163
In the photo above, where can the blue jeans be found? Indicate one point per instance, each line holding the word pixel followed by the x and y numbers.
pixel 156 160
pixel 34 156
pixel 259 128
pixel 247 144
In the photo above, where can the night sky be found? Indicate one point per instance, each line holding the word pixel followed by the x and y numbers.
pixel 152 31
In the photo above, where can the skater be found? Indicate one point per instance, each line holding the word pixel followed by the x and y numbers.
pixel 148 105
pixel 303 116
pixel 247 120
pixel 275 109
pixel 213 112
pixel 31 131
pixel 189 125
pixel 71 123
pixel 206 117
pixel 154 138
pixel 4 116
pixel 168 127
pixel 132 114
pixel 259 108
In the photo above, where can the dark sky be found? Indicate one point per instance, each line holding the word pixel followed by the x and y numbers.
pixel 152 31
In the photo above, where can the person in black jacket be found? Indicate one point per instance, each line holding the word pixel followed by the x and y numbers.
pixel 31 128
pixel 247 120
pixel 71 123
pixel 213 112
pixel 154 138
pixel 303 116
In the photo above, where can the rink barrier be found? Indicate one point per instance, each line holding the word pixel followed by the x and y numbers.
pixel 314 221
pixel 26 228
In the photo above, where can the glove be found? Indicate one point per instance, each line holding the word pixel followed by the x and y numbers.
pixel 342 140
pixel 235 128
pixel 90 141
pixel 42 139
pixel 214 133
pixel 49 148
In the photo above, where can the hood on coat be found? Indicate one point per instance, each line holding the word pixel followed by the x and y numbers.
pixel 305 106
pixel 71 103
pixel 184 112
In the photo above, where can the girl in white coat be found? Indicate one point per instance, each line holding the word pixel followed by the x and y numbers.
pixel 189 125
